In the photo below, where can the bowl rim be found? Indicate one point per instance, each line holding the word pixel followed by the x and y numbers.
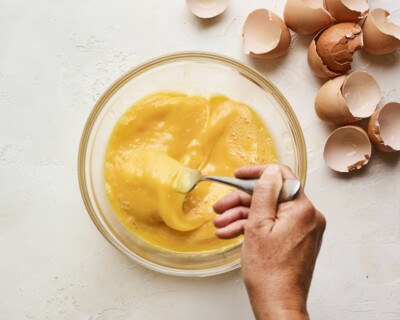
pixel 244 70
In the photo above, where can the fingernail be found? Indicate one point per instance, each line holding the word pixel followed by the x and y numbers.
pixel 272 169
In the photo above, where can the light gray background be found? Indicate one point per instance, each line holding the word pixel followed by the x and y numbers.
pixel 56 58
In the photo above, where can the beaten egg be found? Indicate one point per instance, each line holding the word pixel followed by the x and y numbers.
pixel 149 149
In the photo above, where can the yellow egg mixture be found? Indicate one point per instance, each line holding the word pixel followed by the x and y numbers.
pixel 149 151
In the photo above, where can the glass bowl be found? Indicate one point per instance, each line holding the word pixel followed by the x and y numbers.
pixel 193 73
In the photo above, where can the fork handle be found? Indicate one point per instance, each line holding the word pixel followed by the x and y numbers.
pixel 290 187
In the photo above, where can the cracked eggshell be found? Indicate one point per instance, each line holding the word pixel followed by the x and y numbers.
pixel 265 35
pixel 380 35
pixel 306 16
pixel 331 52
pixel 347 148
pixel 337 44
pixel 207 8
pixel 347 10
pixel 384 128
pixel 347 99
pixel 317 65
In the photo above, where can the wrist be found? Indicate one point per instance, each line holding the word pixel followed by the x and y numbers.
pixel 282 315
pixel 278 302
pixel 274 311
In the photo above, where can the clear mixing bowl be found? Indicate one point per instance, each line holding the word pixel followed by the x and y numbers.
pixel 193 73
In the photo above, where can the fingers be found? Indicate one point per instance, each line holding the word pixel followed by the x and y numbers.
pixel 231 216
pixel 232 230
pixel 239 198
pixel 255 171
pixel 265 196
pixel 234 208
pixel 250 172
pixel 234 199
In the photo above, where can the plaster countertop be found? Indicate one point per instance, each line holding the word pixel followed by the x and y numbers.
pixel 56 58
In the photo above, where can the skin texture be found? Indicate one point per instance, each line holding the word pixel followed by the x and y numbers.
pixel 281 242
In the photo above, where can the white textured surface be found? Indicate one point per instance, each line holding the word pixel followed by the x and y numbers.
pixel 56 58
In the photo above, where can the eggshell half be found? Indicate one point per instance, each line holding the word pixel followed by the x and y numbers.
pixel 331 52
pixel 361 93
pixel 380 35
pixel 265 35
pixel 337 44
pixel 347 148
pixel 207 8
pixel 347 99
pixel 330 105
pixel 317 65
pixel 306 16
pixel 384 128
pixel 347 10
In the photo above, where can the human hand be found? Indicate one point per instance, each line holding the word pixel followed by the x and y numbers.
pixel 281 242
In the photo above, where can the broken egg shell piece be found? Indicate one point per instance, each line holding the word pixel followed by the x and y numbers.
pixel 347 148
pixel 330 104
pixel 347 10
pixel 380 35
pixel 306 16
pixel 265 35
pixel 337 44
pixel 206 9
pixel 384 128
pixel 361 93
pixel 347 99
pixel 317 65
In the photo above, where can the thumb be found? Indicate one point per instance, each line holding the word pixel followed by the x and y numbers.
pixel 266 193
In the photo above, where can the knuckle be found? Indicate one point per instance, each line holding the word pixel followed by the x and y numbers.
pixel 321 221
pixel 232 195
pixel 254 224
pixel 307 209
pixel 243 213
pixel 307 214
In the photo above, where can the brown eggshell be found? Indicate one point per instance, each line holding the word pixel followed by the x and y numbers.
pixel 347 10
pixel 347 148
pixel 347 99
pixel 380 37
pixel 330 105
pixel 305 18
pixel 316 64
pixel 337 44
pixel 265 35
pixel 361 93
pixel 384 128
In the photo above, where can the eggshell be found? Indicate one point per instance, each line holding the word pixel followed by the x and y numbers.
pixel 330 105
pixel 207 8
pixel 384 128
pixel 337 44
pixel 265 35
pixel 361 93
pixel 380 35
pixel 331 52
pixel 347 10
pixel 306 16
pixel 347 99
pixel 347 148
pixel 316 64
